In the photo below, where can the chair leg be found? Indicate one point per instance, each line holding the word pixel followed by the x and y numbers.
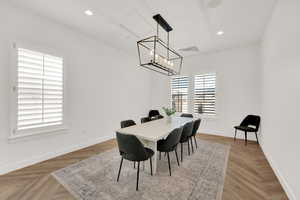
pixel 134 164
pixel 176 156
pixel 151 166
pixel 246 140
pixel 159 155
pixel 169 163
pixel 181 151
pixel 195 142
pixel 256 137
pixel 189 147
pixel 235 134
pixel 192 144
pixel 120 169
pixel 137 177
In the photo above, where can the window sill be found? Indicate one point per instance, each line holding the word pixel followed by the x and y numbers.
pixel 38 132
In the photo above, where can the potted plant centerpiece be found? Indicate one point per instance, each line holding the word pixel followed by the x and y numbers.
pixel 169 112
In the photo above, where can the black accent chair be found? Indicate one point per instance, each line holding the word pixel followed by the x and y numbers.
pixel 195 129
pixel 250 120
pixel 185 136
pixel 133 150
pixel 145 119
pixel 170 144
pixel 127 123
pixel 186 115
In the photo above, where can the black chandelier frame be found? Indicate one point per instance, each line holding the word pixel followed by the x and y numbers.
pixel 153 64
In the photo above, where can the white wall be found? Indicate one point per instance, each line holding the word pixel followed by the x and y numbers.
pixel 281 94
pixel 238 86
pixel 104 86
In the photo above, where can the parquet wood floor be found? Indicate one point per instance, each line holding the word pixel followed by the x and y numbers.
pixel 248 176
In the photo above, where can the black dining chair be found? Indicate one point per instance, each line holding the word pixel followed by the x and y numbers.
pixel 127 123
pixel 186 115
pixel 170 144
pixel 153 113
pixel 157 117
pixel 195 129
pixel 185 136
pixel 145 119
pixel 132 149
pixel 249 124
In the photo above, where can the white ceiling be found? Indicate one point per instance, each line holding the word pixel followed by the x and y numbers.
pixel 121 23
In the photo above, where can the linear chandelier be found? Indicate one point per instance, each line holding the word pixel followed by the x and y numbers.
pixel 156 55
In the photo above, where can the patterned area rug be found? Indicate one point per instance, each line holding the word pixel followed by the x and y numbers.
pixel 200 176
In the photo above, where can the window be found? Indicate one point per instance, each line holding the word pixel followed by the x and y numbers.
pixel 205 94
pixel 179 92
pixel 38 92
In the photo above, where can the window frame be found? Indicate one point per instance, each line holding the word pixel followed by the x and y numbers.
pixel 14 133
pixel 206 115
pixel 187 95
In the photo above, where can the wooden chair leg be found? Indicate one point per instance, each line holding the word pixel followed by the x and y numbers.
pixel 169 163
pixel 120 169
pixel 235 134
pixel 181 151
pixel 246 140
pixel 137 177
pixel 195 142
pixel 177 157
pixel 256 138
pixel 151 166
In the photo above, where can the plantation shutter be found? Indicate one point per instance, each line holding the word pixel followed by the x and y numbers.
pixel 205 94
pixel 179 92
pixel 39 90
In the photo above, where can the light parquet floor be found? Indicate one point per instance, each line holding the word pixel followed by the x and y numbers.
pixel 248 175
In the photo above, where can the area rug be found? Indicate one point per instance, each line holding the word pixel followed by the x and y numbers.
pixel 200 176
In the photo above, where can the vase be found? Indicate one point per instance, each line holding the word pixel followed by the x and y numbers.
pixel 169 119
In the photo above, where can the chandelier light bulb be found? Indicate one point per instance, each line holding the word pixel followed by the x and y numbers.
pixel 151 53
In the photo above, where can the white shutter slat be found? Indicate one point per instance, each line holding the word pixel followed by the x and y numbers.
pixel 179 92
pixel 205 93
pixel 40 90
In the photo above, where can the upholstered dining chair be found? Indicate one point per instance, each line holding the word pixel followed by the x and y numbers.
pixel 127 123
pixel 170 144
pixel 157 117
pixel 249 124
pixel 154 114
pixel 186 115
pixel 185 136
pixel 132 149
pixel 195 129
pixel 145 119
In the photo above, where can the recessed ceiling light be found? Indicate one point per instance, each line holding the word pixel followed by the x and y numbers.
pixel 88 12
pixel 220 32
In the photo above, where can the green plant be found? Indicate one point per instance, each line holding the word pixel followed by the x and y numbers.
pixel 169 111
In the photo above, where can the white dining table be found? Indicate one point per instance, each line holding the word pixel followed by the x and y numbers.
pixel 149 133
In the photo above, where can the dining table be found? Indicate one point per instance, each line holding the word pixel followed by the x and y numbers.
pixel 150 133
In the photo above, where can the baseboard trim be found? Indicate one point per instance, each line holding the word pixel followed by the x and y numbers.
pixel 291 195
pixel 25 163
